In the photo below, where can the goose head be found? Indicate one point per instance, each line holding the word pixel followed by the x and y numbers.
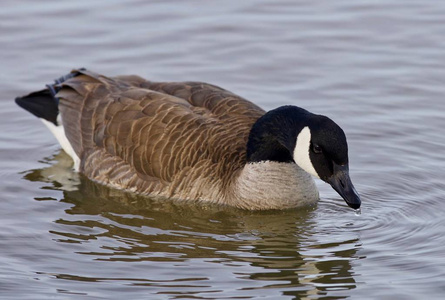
pixel 314 142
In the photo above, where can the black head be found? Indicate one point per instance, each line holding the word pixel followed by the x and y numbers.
pixel 314 142
pixel 322 150
pixel 327 145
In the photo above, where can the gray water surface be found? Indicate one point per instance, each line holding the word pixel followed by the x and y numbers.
pixel 375 67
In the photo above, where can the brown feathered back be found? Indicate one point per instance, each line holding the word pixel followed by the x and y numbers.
pixel 179 140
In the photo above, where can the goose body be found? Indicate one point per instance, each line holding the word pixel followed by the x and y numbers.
pixel 189 141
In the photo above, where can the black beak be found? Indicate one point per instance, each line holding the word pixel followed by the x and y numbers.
pixel 341 182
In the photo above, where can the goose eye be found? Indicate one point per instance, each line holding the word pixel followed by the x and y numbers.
pixel 317 149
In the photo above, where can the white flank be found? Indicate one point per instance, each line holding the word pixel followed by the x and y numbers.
pixel 59 133
pixel 301 152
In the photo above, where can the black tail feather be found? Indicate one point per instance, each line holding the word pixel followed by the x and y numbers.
pixel 41 104
pixel 44 104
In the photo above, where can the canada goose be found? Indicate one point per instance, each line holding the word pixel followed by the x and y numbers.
pixel 192 141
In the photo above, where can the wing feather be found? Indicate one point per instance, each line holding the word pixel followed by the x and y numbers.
pixel 154 137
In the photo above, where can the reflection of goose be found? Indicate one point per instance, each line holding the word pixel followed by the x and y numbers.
pixel 192 141
pixel 269 248
pixel 59 173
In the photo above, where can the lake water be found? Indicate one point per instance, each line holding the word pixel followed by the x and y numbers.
pixel 375 67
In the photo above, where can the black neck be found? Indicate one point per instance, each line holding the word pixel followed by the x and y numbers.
pixel 273 136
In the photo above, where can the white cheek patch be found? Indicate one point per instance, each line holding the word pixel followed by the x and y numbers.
pixel 301 152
